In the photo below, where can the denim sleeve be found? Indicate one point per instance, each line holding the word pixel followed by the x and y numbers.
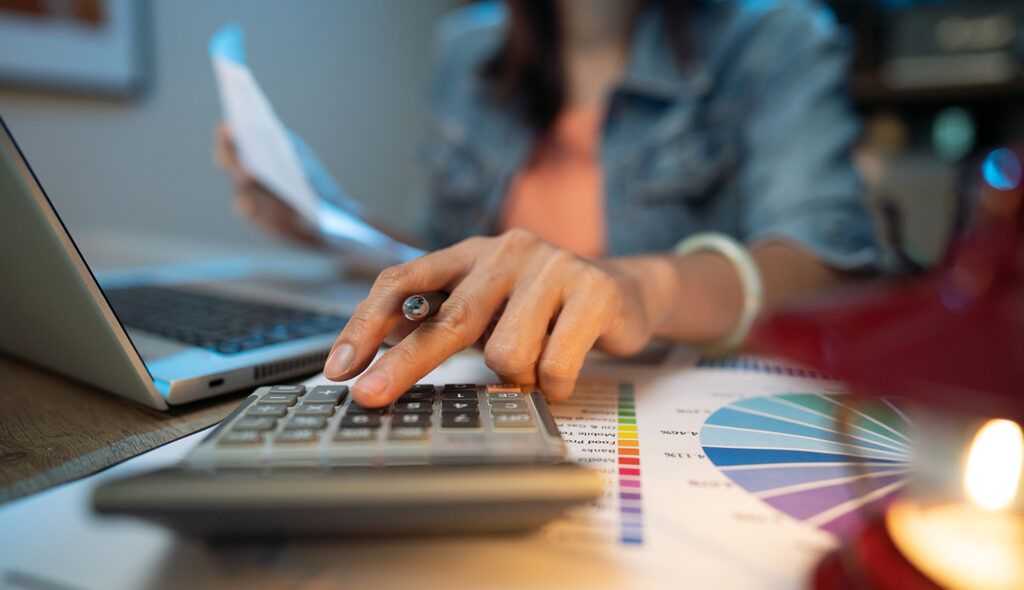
pixel 451 179
pixel 799 183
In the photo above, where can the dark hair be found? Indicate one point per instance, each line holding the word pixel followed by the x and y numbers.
pixel 527 71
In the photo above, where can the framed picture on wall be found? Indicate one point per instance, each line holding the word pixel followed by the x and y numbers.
pixel 94 46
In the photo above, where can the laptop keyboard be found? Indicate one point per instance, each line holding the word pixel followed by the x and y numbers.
pixel 222 324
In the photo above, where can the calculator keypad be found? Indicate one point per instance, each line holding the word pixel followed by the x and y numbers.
pixel 254 423
pixel 460 420
pixel 273 410
pixel 305 409
pixel 241 437
pixel 292 416
pixel 300 422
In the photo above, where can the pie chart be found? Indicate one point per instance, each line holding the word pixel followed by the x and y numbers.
pixel 793 452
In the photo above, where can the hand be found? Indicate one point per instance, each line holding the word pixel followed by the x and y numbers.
pixel 253 201
pixel 548 307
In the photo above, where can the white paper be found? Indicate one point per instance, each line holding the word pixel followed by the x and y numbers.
pixel 262 142
pixel 286 165
pixel 698 529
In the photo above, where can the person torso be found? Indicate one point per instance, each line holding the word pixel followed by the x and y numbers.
pixel 669 140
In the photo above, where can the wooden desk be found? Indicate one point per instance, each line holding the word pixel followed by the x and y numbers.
pixel 54 430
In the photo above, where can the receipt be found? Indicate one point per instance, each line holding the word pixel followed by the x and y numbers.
pixel 281 161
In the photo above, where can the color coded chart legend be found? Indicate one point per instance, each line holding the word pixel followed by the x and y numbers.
pixel 599 427
pixel 746 363
pixel 630 495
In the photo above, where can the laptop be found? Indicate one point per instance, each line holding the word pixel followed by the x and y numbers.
pixel 157 340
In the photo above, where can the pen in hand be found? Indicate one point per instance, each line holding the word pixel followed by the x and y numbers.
pixel 421 307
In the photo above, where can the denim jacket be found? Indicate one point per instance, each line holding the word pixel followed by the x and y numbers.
pixel 752 138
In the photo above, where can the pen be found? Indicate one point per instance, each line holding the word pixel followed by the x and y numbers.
pixel 421 307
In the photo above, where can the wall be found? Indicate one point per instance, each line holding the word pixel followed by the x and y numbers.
pixel 349 76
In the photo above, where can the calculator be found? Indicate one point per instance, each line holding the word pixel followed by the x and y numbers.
pixel 293 459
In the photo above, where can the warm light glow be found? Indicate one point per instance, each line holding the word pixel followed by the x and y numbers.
pixel 994 464
pixel 960 546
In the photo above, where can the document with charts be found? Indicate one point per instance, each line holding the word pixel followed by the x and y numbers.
pixel 733 477
pixel 669 517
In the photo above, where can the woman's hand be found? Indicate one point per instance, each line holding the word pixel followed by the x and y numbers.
pixel 537 309
pixel 253 201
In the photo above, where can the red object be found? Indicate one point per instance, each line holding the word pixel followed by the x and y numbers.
pixel 870 561
pixel 954 339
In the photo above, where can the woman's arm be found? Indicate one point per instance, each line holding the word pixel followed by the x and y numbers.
pixel 697 297
pixel 545 308
pixel 548 307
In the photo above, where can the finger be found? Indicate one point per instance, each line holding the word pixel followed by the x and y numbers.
pixel 403 328
pixel 224 153
pixel 579 325
pixel 458 323
pixel 226 156
pixel 266 212
pixel 381 311
pixel 486 335
pixel 515 345
pixel 266 205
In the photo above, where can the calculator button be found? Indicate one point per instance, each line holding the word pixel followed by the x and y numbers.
pixel 461 420
pixel 241 437
pixel 503 388
pixel 410 419
pixel 418 396
pixel 327 394
pixel 446 411
pixel 522 420
pixel 413 407
pixel 421 388
pixel 460 387
pixel 314 410
pixel 355 409
pixel 292 389
pixel 312 422
pixel 299 435
pixel 284 399
pixel 504 395
pixel 274 410
pixel 254 423
pixel 368 420
pixel 407 433
pixel 498 406
pixel 458 405
pixel 459 395
pixel 355 433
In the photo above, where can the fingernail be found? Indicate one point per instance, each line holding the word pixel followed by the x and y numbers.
pixel 372 385
pixel 340 360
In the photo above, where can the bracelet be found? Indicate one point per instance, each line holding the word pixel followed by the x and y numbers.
pixel 750 281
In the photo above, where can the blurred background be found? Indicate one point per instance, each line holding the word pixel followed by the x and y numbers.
pixel 940 84
pixel 120 135
pixel 133 150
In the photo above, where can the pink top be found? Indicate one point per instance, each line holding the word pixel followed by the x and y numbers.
pixel 558 195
